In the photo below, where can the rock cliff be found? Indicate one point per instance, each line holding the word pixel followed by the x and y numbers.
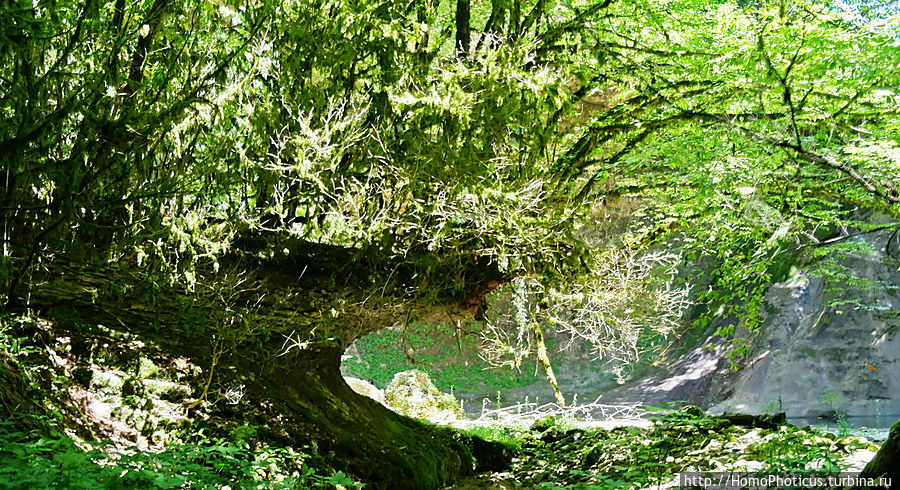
pixel 826 346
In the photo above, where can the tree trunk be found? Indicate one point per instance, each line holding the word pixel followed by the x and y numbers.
pixel 544 359
pixel 463 28
pixel 886 462
pixel 284 348
pixel 514 14
pixel 498 13
pixel 385 449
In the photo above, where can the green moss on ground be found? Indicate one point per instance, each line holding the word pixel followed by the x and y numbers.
pixel 552 454
pixel 448 356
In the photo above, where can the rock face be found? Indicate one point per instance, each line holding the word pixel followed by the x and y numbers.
pixel 814 359
pixel 827 346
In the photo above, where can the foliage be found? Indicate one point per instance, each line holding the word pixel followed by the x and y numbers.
pixel 348 124
pixel 193 142
pixel 27 377
pixel 173 129
pixel 626 299
pixel 170 134
pixel 510 436
pixel 631 457
pixel 57 461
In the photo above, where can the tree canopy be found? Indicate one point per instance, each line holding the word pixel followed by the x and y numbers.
pixel 425 151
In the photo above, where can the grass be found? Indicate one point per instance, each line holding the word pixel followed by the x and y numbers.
pixel 512 436
pixel 434 349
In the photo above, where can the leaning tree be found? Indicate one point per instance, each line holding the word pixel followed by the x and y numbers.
pixel 256 184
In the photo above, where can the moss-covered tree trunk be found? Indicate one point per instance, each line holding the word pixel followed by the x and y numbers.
pixel 886 463
pixel 386 449
pixel 286 349
pixel 544 358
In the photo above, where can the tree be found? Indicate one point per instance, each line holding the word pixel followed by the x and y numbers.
pixel 704 127
pixel 626 298
pixel 256 184
pixel 884 464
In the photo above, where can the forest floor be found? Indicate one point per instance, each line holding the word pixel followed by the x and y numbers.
pixel 652 453
pixel 163 430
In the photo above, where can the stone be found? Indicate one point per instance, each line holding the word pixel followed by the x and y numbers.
pixel 412 393
pixel 147 368
pixel 808 359
pixel 693 410
pixel 754 421
pixel 365 388
pixel 106 382
pixel 167 390
pixel 542 424
pixel 133 387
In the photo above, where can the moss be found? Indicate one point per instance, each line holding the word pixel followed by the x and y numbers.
pixel 379 447
pixel 146 368
pixel 887 461
pixel 554 455
pixel 489 455
pixel 167 390
pixel 413 394
pixel 808 352
pixel 434 349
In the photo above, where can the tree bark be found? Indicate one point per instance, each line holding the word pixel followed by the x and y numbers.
pixel 544 359
pixel 886 462
pixel 387 450
pixel 514 14
pixel 463 28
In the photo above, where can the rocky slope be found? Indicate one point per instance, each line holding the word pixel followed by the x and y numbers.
pixel 827 346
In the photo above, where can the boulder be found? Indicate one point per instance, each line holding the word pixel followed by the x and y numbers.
pixel 365 388
pixel 412 393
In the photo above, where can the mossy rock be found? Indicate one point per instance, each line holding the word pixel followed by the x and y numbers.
pixel 106 381
pixel 490 456
pixel 167 390
pixel 773 421
pixel 544 423
pixel 554 434
pixel 693 410
pixel 412 393
pixel 133 387
pixel 147 368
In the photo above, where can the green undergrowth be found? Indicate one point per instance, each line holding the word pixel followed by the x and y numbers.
pixel 447 355
pixel 50 440
pixel 552 454
pixel 510 436
pixel 46 442
pixel 57 461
